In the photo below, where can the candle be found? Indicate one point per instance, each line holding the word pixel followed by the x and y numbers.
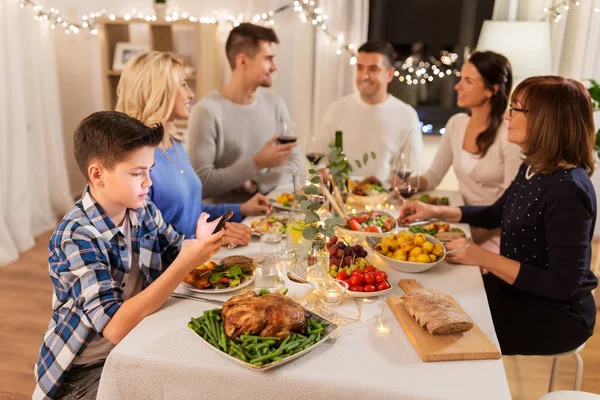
pixel 332 296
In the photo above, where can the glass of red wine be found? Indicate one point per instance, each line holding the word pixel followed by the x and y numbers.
pixel 285 133
pixel 313 152
pixel 406 178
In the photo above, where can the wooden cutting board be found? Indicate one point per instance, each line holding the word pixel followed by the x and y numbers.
pixel 470 345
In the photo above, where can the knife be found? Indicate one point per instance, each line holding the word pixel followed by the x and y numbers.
pixel 189 297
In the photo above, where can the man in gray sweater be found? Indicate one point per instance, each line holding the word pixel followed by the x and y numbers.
pixel 233 131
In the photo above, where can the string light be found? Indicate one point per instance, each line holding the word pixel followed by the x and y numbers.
pixel 412 72
pixel 558 11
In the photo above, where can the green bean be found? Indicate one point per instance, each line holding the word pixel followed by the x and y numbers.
pixel 285 341
pixel 267 357
pixel 318 330
pixel 263 338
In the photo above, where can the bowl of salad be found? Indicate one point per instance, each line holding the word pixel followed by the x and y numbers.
pixel 368 223
pixel 369 191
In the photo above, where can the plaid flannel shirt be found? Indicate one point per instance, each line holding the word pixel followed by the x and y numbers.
pixel 88 260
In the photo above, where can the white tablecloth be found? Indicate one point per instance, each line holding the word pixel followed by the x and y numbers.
pixel 163 359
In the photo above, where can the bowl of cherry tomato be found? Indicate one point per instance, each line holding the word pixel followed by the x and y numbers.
pixel 367 282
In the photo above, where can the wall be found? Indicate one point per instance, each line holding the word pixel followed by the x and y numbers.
pixel 79 65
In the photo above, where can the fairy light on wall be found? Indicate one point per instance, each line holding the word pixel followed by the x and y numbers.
pixel 559 10
pixel 413 72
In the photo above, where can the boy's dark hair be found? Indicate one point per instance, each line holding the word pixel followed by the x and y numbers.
pixel 109 136
pixel 381 47
pixel 245 38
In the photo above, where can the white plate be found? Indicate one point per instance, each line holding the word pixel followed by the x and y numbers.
pixel 369 294
pixel 245 282
pixel 328 333
pixel 249 220
pixel 274 202
pixel 407 266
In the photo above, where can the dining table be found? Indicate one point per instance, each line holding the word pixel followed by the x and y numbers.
pixel 370 357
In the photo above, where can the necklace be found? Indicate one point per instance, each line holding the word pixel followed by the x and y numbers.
pixel 166 154
pixel 528 173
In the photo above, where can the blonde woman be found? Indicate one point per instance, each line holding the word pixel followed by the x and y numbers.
pixel 154 90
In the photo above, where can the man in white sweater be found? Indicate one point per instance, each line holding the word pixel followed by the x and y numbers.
pixel 372 119
pixel 232 132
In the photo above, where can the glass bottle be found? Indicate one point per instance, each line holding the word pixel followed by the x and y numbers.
pixel 318 263
pixel 295 241
pixel 343 182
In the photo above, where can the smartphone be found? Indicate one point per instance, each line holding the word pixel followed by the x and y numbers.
pixel 226 217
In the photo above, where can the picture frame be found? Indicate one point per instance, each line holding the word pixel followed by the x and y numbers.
pixel 124 51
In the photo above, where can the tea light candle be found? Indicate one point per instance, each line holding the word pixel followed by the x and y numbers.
pixel 332 296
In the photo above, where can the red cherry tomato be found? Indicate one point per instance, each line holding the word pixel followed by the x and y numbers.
pixel 369 278
pixel 357 271
pixel 342 275
pixel 370 268
pixel 356 288
pixel 347 282
pixel 369 288
pixel 360 218
pixel 372 228
pixel 354 225
pixel 382 286
pixel 356 280
pixel 380 276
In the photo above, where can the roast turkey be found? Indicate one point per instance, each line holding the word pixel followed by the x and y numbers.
pixel 270 315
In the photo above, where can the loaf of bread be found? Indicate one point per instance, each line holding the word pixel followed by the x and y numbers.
pixel 435 312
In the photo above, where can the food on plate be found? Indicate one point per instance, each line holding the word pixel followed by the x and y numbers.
pixel 259 328
pixel 374 221
pixel 272 224
pixel 227 273
pixel 369 186
pixel 271 315
pixel 406 246
pixel 429 199
pixel 441 230
pixel 435 312
pixel 285 199
pixel 348 263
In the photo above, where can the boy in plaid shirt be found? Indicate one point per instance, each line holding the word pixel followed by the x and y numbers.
pixel 112 259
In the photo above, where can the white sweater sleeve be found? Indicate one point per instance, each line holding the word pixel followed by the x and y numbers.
pixel 414 140
pixel 443 158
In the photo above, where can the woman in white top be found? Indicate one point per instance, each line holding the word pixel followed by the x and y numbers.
pixel 476 144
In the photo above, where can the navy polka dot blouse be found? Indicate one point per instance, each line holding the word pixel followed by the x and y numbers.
pixel 547 225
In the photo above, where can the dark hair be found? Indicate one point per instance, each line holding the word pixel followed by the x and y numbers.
pixel 109 136
pixel 381 47
pixel 560 123
pixel 245 38
pixel 495 70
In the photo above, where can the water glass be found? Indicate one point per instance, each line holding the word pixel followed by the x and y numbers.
pixel 266 276
pixel 270 242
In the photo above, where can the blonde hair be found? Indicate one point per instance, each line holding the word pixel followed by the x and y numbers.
pixel 148 88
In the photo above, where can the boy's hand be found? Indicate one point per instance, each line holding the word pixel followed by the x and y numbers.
pixel 196 252
pixel 203 228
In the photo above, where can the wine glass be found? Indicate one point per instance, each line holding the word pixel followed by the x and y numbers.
pixel 285 132
pixel 406 179
pixel 314 151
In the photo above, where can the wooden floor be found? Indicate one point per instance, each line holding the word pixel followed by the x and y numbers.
pixel 25 305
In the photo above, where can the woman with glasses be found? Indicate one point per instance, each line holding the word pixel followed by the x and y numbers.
pixel 475 144
pixel 539 286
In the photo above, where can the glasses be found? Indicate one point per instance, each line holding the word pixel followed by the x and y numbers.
pixel 511 109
